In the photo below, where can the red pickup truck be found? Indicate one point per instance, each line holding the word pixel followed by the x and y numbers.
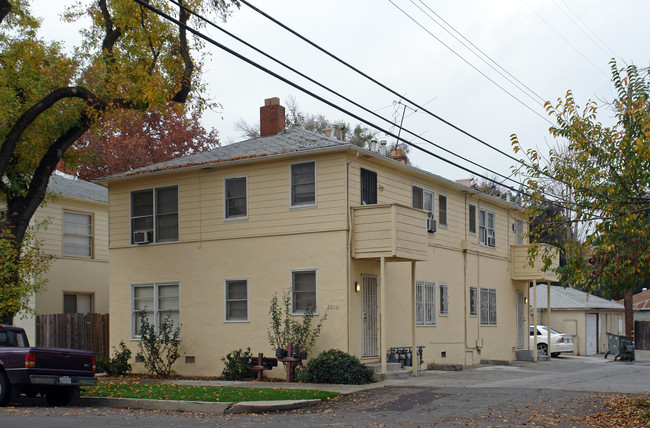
pixel 55 373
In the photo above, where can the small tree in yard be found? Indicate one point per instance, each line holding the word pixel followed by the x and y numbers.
pixel 159 350
pixel 286 328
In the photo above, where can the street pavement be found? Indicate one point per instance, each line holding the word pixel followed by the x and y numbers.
pixel 551 393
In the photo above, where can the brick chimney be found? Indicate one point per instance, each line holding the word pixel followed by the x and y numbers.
pixel 399 156
pixel 272 119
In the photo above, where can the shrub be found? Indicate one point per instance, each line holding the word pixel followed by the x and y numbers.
pixel 236 367
pixel 336 366
pixel 119 364
pixel 159 350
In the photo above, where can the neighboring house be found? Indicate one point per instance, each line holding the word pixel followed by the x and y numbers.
pixel 209 238
pixel 77 235
pixel 586 317
pixel 640 305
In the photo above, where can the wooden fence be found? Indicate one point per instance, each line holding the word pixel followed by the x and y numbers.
pixel 642 334
pixel 76 331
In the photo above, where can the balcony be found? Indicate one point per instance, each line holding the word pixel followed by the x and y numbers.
pixel 523 271
pixel 396 232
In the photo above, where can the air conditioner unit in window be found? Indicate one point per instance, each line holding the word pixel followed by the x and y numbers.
pixel 491 241
pixel 431 223
pixel 142 236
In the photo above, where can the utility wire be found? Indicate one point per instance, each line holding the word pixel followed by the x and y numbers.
pixel 373 113
pixel 565 39
pixel 602 43
pixel 539 97
pixel 466 61
pixel 306 91
pixel 351 67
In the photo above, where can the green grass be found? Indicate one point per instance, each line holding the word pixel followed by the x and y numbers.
pixel 157 391
pixel 644 408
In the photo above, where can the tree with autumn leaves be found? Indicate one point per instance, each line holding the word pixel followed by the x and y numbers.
pixel 130 59
pixel 600 177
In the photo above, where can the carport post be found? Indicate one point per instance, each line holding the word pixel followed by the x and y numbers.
pixel 382 322
pixel 548 311
pixel 534 320
pixel 414 366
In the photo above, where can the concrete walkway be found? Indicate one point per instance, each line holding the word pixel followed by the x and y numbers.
pixel 573 373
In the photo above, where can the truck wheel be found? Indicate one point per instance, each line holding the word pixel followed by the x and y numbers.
pixel 5 389
pixel 59 398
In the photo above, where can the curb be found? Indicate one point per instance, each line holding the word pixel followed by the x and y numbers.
pixel 195 406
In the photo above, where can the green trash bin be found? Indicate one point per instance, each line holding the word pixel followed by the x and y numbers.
pixel 620 346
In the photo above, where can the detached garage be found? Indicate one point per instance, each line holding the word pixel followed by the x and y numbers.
pixel 586 317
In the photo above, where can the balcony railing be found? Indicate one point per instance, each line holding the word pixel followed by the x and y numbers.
pixel 521 266
pixel 394 231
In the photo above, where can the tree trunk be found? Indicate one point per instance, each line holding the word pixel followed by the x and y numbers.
pixel 629 314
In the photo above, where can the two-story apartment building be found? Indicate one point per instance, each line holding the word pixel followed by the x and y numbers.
pixel 393 254
pixel 76 234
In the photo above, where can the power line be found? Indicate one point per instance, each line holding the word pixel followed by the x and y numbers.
pixel 351 67
pixel 373 113
pixel 304 90
pixel 565 39
pixel 466 61
pixel 540 98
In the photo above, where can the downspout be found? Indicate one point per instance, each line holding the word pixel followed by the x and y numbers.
pixel 465 289
pixel 349 245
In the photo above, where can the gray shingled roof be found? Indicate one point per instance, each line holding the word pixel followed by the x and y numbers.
pixel 570 298
pixel 75 188
pixel 288 141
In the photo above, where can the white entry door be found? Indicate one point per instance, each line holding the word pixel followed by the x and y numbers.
pixel 369 318
pixel 521 320
pixel 591 340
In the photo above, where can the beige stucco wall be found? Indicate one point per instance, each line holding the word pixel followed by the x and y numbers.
pixel 274 239
pixel 201 269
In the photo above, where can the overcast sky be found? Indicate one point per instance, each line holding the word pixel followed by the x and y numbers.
pixel 551 46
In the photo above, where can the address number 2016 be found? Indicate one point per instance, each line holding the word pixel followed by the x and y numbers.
pixel 333 307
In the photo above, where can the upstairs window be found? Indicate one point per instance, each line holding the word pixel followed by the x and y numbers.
pixel 422 199
pixel 472 219
pixel 154 215
pixel 486 228
pixel 519 230
pixel 77 234
pixel 235 197
pixel 303 184
pixel 368 187
pixel 442 210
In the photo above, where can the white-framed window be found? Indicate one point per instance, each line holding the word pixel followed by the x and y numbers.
pixel 236 298
pixel 442 209
pixel 77 303
pixel 488 306
pixel 303 291
pixel 425 303
pixel 423 199
pixel 487 234
pixel 77 234
pixel 236 198
pixel 472 219
pixel 303 184
pixel 157 301
pixel 444 299
pixel 473 301
pixel 154 215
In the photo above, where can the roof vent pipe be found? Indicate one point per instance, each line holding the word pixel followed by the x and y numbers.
pixel 382 147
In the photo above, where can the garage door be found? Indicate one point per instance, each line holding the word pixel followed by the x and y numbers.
pixel 592 333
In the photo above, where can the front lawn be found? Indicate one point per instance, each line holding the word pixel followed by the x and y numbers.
pixel 156 391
